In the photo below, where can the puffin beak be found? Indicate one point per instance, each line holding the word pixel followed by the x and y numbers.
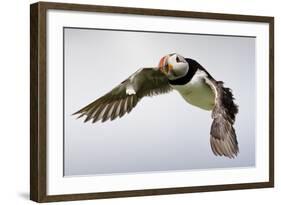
pixel 163 64
pixel 170 67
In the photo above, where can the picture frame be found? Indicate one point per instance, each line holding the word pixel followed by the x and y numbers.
pixel 47 182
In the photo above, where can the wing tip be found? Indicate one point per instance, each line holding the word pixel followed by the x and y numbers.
pixel 76 113
pixel 224 148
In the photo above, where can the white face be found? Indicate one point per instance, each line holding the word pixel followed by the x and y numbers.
pixel 175 66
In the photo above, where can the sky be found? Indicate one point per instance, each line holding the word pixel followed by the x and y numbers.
pixel 162 133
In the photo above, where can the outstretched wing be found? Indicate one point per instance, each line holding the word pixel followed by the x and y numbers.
pixel 223 137
pixel 124 97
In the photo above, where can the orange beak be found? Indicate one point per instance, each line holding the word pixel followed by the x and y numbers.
pixel 163 64
pixel 170 67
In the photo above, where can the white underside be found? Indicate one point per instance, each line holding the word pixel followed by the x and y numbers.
pixel 197 92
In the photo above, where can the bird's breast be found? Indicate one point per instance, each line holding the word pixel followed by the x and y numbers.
pixel 197 92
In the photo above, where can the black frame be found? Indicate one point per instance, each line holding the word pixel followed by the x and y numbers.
pixel 38 97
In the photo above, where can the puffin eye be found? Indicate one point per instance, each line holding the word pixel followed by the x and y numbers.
pixel 178 60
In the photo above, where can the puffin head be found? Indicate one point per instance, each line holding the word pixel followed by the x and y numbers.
pixel 173 66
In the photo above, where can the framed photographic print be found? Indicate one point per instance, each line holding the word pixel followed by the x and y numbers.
pixel 134 102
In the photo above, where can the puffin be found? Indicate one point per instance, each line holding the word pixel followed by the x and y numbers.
pixel 191 80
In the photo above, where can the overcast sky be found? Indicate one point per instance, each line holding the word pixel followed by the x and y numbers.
pixel 163 132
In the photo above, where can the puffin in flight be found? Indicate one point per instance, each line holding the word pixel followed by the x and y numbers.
pixel 194 84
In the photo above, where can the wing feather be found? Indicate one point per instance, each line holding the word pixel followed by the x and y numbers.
pixel 114 111
pixel 98 114
pixel 122 107
pixel 130 104
pixel 223 138
pixel 124 97
pixel 106 113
